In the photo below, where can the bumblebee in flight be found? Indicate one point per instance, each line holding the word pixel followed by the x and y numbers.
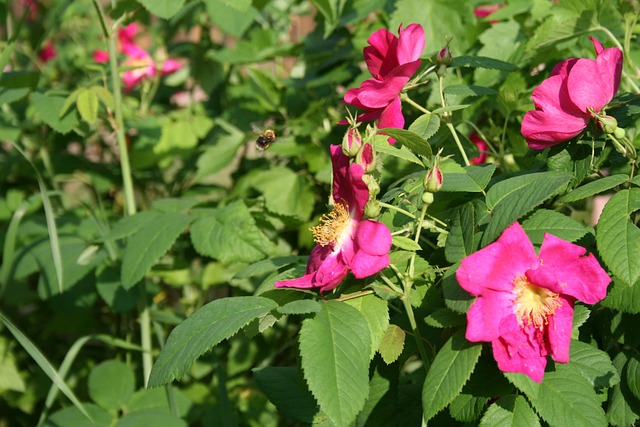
pixel 265 139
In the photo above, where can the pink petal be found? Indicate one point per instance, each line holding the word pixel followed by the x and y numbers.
pixel 101 56
pixel 486 313
pixel 596 45
pixel 381 55
pixel 373 238
pixel 559 330
pixel 331 273
pixel 411 43
pixel 304 282
pixel 170 66
pixel 347 182
pixel 519 350
pixel 580 276
pixel 590 83
pixel 365 265
pixel 391 117
pixel 562 68
pixel 496 266
pixel 126 34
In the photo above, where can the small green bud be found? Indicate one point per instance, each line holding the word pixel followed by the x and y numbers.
pixel 433 180
pixel 427 198
pixel 619 133
pixel 443 57
pixel 608 124
pixel 372 208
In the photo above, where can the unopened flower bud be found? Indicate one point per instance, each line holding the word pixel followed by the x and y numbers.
pixel 372 184
pixel 608 124
pixel 443 57
pixel 433 180
pixel 372 208
pixel 367 157
pixel 427 198
pixel 619 133
pixel 351 142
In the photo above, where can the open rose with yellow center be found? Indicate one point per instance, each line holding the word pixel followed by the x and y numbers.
pixel 525 301
pixel 345 242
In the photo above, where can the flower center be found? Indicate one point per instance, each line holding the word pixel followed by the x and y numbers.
pixel 334 226
pixel 533 304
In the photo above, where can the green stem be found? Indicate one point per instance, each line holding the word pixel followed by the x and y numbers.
pixel 395 208
pixel 416 239
pixel 447 117
pixel 127 180
pixel 414 327
pixel 408 100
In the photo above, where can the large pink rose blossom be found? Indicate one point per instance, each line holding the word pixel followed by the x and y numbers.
pixel 525 302
pixel 345 242
pixel 577 90
pixel 392 61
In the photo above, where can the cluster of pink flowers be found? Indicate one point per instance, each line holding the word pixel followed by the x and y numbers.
pixel 142 65
pixel 345 242
pixel 577 91
pixel 392 61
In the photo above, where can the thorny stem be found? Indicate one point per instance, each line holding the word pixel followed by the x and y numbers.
pixel 127 180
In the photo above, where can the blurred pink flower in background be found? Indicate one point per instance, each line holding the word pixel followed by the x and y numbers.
pixel 524 304
pixel 32 6
pixel 486 10
pixel 140 63
pixel 184 98
pixel 47 52
pixel 482 146
pixel 392 61
pixel 577 90
pixel 345 242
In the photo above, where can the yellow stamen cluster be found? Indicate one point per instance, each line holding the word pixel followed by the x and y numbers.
pixel 332 225
pixel 533 304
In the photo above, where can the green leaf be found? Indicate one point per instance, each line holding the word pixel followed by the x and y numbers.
pixel 412 140
pixel 72 417
pixel 87 103
pixel 510 411
pixel 204 329
pixel 10 378
pixel 335 346
pixel 482 62
pixel 623 409
pixel 150 417
pixel 111 385
pixel 285 388
pixel 230 234
pixel 286 192
pixel 304 306
pixel 231 20
pixel 396 150
pixel 152 241
pixel 469 90
pixel 130 225
pixel 220 155
pixel 594 187
pixel 49 108
pixel 552 222
pixel 618 238
pixel 594 364
pixel 105 96
pixel 43 363
pixel 331 11
pixel 632 375
pixel 392 344
pixel 472 178
pixel 566 398
pixel 265 266
pixel 455 298
pixel 448 373
pixel 467 408
pixel 405 243
pixel 164 9
pixel 510 199
pixel 445 318
pixel 622 297
pixel 426 125
pixel 461 241
pixel 376 312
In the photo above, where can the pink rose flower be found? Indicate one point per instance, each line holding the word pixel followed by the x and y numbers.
pixel 47 52
pixel 101 56
pixel 345 242
pixel 482 146
pixel 577 90
pixel 525 302
pixel 392 61
pixel 486 10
